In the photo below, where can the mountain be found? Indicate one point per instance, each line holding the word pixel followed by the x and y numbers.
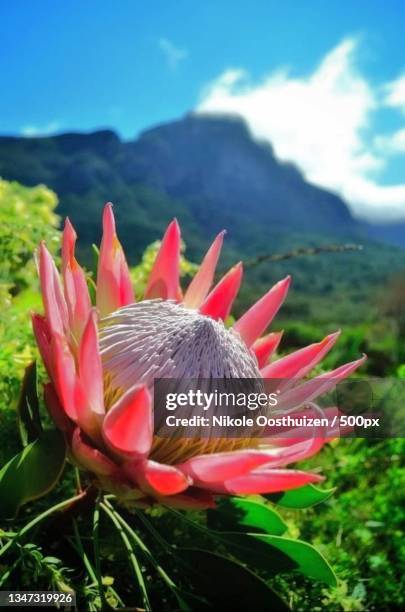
pixel 214 165
pixel 211 174
pixel 208 171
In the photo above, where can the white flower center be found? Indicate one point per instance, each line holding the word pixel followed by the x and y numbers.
pixel 156 338
pixel 162 339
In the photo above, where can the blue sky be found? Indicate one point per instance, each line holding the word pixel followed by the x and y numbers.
pixel 323 80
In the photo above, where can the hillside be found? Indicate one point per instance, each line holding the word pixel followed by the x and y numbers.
pixel 207 171
pixel 210 174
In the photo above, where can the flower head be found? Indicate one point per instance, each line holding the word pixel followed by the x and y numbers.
pixel 102 362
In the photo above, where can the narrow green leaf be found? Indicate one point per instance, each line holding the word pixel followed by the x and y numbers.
pixel 29 421
pixel 238 514
pixel 303 497
pixel 91 286
pixel 32 473
pixel 228 585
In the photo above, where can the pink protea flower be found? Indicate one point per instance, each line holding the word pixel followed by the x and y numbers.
pixel 102 362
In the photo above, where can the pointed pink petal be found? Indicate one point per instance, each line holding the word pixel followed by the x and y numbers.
pixel 164 279
pixel 54 302
pixel 69 388
pixel 128 425
pixel 55 409
pixel 264 347
pixel 290 436
pixel 222 466
pixel 200 285
pixel 255 321
pixel 219 302
pixel 127 295
pixel 269 481
pixel 311 389
pixel 114 288
pixel 299 363
pixel 89 457
pixel 90 367
pixel 64 375
pixel 163 479
pixel 297 450
pixel 75 285
pixel 43 339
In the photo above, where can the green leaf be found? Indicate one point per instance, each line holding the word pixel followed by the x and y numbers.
pixel 29 421
pixel 303 497
pixel 310 562
pixel 91 286
pixel 238 514
pixel 32 473
pixel 276 555
pixel 228 585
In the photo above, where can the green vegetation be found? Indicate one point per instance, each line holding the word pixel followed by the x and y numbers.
pixel 26 217
pixel 357 528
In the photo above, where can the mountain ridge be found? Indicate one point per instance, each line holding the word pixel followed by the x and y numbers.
pixel 210 174
pixel 207 170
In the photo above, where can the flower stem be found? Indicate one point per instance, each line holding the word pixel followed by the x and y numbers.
pixel 112 514
pixel 80 549
pixel 96 549
pixel 77 544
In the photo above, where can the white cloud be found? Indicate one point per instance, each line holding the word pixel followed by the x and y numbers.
pixel 393 144
pixel 32 131
pixel 173 55
pixel 395 93
pixel 320 122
